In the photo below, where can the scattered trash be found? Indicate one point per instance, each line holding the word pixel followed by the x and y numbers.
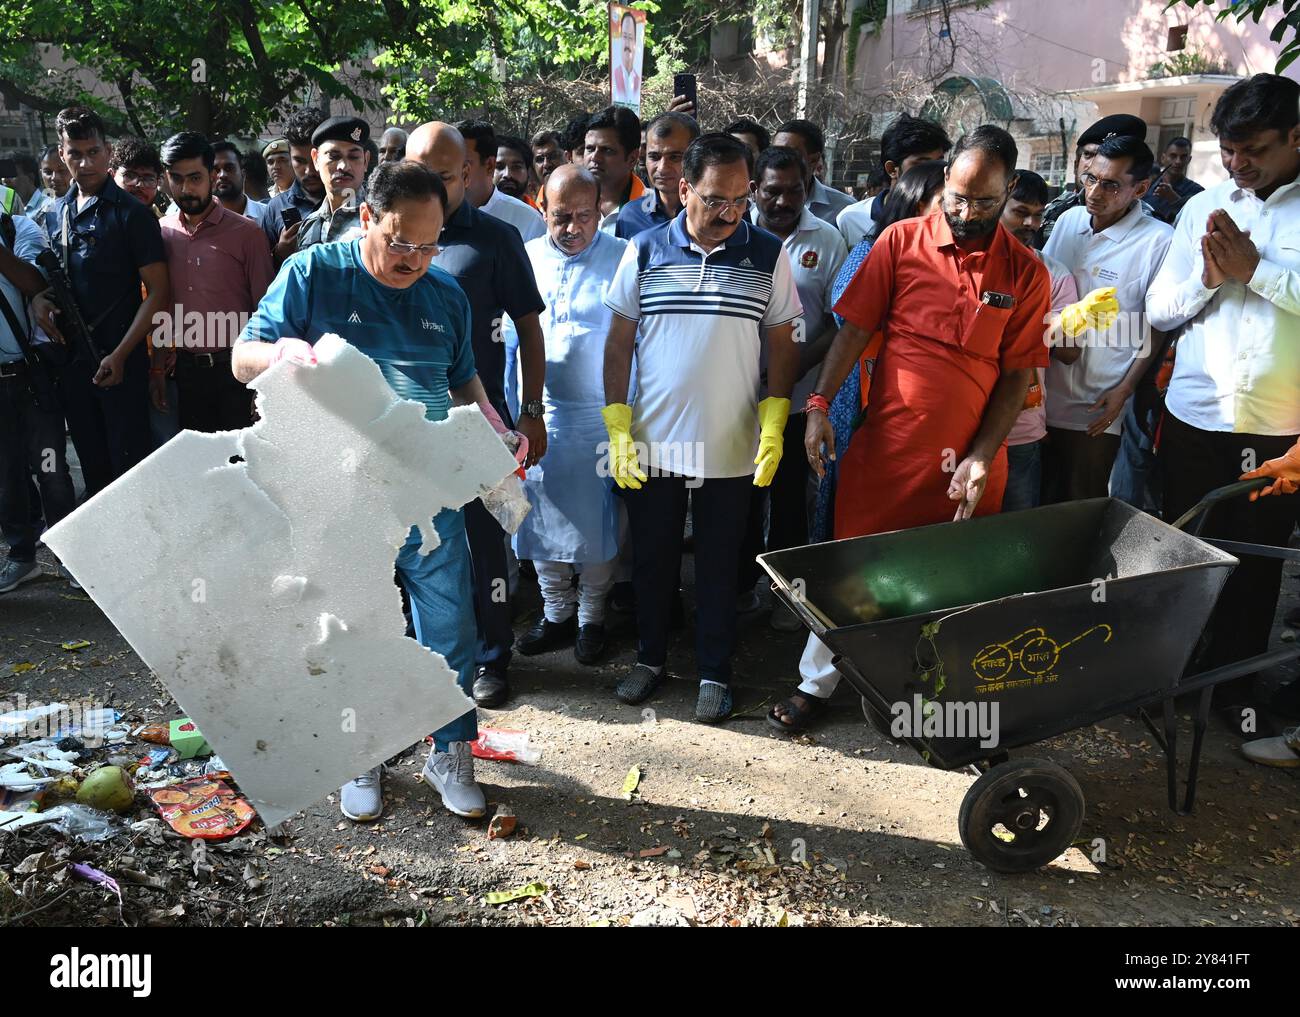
pixel 631 782
pixel 83 822
pixel 182 734
pixel 502 824
pixel 177 771
pixel 202 807
pixel 21 801
pixel 108 788
pixel 507 746
pixel 75 644
pixel 16 722
pixel 21 667
pixel 519 892
pixel 17 777
pixel 155 758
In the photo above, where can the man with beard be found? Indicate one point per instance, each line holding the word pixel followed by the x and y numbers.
pixel 228 183
pixel 338 151
pixel 220 268
pixel 392 145
pixel 667 138
pixel 962 306
pixel 304 194
pixel 513 175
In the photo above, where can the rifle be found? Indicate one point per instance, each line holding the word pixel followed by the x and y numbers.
pixel 71 323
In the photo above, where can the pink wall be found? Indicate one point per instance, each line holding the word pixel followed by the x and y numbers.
pixel 1054 45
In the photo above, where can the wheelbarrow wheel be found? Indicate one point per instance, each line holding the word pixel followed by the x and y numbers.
pixel 879 723
pixel 1020 815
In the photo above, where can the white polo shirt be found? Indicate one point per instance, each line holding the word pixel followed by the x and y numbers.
pixel 855 222
pixel 1238 362
pixel 827 203
pixel 519 214
pixel 816 252
pixel 1126 256
pixel 701 329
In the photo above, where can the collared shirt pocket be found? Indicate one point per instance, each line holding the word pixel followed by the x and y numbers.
pixel 983 335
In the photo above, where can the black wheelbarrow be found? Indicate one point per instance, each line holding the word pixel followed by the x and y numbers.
pixel 969 639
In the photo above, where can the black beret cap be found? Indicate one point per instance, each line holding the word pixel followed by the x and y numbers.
pixel 1123 124
pixel 351 129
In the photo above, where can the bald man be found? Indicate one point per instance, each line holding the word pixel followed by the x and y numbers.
pixel 392 146
pixel 486 257
pixel 573 527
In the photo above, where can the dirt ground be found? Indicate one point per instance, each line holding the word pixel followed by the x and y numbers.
pixel 730 825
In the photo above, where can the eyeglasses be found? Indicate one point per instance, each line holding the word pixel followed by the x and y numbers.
pixel 1109 186
pixel 141 179
pixel 960 201
pixel 398 247
pixel 718 204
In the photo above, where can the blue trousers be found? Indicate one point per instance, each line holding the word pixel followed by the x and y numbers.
pixel 1134 477
pixel 1024 476
pixel 442 597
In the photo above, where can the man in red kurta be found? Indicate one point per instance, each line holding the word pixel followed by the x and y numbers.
pixel 964 307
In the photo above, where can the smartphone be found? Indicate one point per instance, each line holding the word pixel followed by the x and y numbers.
pixel 290 217
pixel 8 168
pixel 684 84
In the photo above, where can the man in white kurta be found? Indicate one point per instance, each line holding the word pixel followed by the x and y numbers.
pixel 571 534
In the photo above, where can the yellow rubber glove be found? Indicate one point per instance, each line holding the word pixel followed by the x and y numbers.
pixel 772 415
pixel 623 466
pixel 1098 309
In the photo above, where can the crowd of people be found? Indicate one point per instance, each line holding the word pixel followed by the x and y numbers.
pixel 670 323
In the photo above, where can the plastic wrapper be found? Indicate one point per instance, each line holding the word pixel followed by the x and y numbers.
pixel 202 808
pixel 507 746
pixel 84 823
pixel 507 503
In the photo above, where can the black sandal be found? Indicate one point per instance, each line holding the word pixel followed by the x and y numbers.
pixel 800 716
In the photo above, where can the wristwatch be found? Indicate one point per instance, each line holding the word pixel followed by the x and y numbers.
pixel 532 408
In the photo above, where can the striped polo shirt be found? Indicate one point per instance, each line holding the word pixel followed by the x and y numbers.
pixel 701 333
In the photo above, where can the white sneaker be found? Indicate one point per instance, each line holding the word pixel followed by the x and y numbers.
pixel 362 799
pixel 72 581
pixel 451 774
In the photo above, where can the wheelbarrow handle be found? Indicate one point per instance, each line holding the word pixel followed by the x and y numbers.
pixel 1224 493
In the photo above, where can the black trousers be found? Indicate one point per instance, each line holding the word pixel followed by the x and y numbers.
pixel 32 442
pixel 656 514
pixel 1193 463
pixel 109 426
pixel 487 553
pixel 209 397
pixel 783 506
pixel 1076 465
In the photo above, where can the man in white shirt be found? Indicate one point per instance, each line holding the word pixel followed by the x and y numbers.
pixel 228 184
pixel 696 298
pixel 481 190
pixel 1107 243
pixel 816 252
pixel 1231 281
pixel 806 138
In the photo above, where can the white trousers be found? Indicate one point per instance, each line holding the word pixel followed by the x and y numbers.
pixel 561 598
pixel 818 676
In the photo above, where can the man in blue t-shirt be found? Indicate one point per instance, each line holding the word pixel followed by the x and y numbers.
pixel 380 294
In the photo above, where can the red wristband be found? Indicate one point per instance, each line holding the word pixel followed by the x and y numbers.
pixel 818 402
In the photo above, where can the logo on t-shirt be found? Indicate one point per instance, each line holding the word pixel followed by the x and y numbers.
pixel 426 323
pixel 354 318
pixel 746 263
pixel 808 259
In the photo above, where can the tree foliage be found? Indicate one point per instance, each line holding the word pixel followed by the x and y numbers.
pixel 1286 32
